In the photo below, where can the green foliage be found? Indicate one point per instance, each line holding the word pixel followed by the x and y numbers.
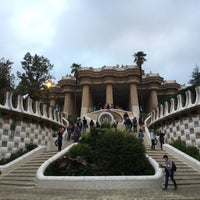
pixel 190 150
pixel 119 153
pixel 20 152
pixel 195 76
pixel 179 145
pixel 31 146
pixel 36 73
pixel 107 152
pixel 6 78
pixel 105 125
pixel 193 151
pixel 72 118
pixel 54 168
pixel 82 150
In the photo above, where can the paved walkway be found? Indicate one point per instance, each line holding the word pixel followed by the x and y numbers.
pixel 137 194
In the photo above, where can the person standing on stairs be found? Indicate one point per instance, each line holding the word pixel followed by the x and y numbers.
pixel 152 137
pixel 60 138
pixel 162 139
pixel 168 172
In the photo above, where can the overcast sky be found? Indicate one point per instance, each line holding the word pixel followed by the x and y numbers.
pixel 103 32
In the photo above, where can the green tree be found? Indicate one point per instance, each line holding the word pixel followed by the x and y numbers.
pixel 7 79
pixel 195 76
pixel 139 60
pixel 37 72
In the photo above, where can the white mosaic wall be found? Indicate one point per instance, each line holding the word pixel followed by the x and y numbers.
pixel 24 133
pixel 186 129
pixel 177 118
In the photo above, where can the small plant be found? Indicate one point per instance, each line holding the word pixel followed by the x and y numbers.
pixel 17 154
pixel 190 150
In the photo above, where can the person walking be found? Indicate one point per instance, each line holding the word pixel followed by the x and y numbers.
pixel 168 172
pixel 141 135
pixel 76 133
pixel 60 138
pixel 85 125
pixel 134 125
pixel 152 137
pixel 162 139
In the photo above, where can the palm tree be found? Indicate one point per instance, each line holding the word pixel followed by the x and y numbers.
pixel 75 67
pixel 139 60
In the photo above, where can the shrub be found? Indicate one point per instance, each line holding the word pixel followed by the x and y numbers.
pixel 105 152
pixel 82 150
pixel 179 145
pixel 119 153
pixel 190 150
pixel 105 125
pixel 193 151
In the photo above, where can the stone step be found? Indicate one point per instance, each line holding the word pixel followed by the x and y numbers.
pixel 17 183
pixel 185 175
pixel 24 171
pixel 30 174
pixel 17 178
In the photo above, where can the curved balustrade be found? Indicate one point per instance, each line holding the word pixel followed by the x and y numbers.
pixel 164 111
pixel 47 114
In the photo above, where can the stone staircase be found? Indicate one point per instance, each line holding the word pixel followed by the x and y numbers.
pixel 24 176
pixel 185 175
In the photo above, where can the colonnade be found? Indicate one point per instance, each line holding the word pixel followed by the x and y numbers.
pixel 132 101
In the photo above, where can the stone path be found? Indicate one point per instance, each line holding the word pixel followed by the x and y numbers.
pixel 137 194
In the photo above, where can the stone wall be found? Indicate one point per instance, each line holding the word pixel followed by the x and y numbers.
pixel 25 123
pixel 187 129
pixel 24 133
pixel 179 118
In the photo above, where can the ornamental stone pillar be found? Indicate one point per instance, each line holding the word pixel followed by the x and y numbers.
pixel 134 100
pixel 109 94
pixel 85 100
pixel 153 99
pixel 68 104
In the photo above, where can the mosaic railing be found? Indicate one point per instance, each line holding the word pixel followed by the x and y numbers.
pixel 39 110
pixel 179 118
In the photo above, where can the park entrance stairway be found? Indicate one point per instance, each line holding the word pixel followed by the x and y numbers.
pixel 24 176
pixel 185 175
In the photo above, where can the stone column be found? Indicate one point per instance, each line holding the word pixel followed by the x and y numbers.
pixel 68 103
pixel 109 94
pixel 154 99
pixel 53 103
pixel 85 100
pixel 134 100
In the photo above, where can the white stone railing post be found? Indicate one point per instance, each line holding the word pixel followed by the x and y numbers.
pixel 197 101
pixel 166 109
pixel 180 104
pixel 188 102
pixel 172 109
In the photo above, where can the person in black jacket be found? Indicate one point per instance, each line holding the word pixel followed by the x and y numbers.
pixel 60 138
pixel 162 139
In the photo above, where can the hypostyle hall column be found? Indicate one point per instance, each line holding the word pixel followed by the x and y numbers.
pixel 68 104
pixel 154 99
pixel 109 94
pixel 134 100
pixel 85 100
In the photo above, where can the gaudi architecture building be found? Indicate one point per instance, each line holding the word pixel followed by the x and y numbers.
pixel 120 87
